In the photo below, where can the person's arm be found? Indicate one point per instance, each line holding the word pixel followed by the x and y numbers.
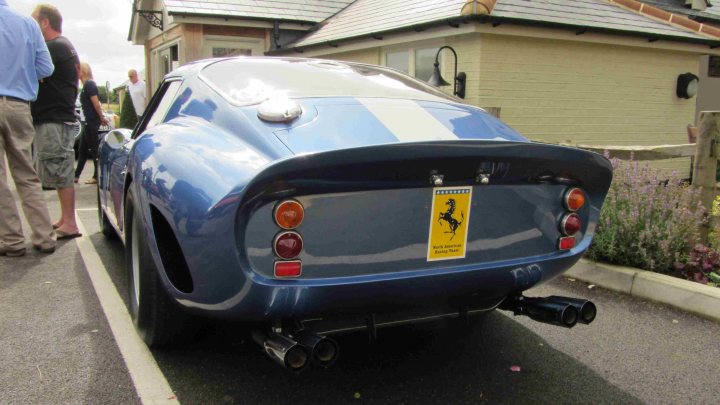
pixel 43 62
pixel 144 95
pixel 98 109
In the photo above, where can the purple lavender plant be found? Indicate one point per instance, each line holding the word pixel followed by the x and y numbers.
pixel 648 220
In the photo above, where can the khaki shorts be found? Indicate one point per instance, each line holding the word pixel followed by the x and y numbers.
pixel 54 155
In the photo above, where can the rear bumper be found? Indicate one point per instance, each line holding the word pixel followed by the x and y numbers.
pixel 262 299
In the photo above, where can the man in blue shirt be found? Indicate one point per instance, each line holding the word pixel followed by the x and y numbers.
pixel 30 62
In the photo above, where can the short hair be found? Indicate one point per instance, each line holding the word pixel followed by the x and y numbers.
pixel 132 72
pixel 52 14
pixel 86 71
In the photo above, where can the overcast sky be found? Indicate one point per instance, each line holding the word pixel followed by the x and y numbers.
pixel 98 29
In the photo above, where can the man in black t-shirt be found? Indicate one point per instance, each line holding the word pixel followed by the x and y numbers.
pixel 54 119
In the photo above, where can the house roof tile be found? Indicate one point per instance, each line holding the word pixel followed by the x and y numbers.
pixel 367 17
pixel 711 13
pixel 289 10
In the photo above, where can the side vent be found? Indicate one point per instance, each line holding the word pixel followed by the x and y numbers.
pixel 171 255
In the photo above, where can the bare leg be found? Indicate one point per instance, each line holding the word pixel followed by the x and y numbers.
pixel 67 207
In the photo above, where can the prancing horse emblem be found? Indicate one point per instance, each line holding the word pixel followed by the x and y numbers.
pixel 447 217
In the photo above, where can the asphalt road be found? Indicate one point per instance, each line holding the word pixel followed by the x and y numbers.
pixel 56 347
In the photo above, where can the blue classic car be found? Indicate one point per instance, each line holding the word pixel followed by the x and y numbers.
pixel 309 197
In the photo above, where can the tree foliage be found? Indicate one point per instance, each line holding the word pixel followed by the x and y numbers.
pixel 128 118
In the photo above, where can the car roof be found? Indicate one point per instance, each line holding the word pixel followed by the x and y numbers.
pixel 250 80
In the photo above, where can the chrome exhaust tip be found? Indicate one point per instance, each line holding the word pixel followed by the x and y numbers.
pixel 283 350
pixel 324 351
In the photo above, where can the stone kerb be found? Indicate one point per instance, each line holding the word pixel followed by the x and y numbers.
pixel 686 295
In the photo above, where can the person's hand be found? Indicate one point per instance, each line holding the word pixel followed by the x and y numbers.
pixel 103 120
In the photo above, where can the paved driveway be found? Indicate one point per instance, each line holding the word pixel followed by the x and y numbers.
pixel 56 347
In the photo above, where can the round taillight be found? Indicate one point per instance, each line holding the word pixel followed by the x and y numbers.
pixel 570 224
pixel 289 214
pixel 288 245
pixel 574 199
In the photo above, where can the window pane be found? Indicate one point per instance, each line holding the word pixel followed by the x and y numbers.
pixel 714 66
pixel 218 52
pixel 163 105
pixel 424 60
pixel 398 60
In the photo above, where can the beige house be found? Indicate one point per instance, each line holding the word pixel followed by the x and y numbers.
pixel 600 72
pixel 176 32
pixel 705 12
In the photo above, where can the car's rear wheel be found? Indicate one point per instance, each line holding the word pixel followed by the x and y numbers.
pixel 106 228
pixel 157 319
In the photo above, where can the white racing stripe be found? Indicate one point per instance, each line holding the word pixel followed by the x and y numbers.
pixel 151 385
pixel 407 120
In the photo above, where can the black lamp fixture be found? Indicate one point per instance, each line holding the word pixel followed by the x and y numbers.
pixel 459 79
pixel 687 85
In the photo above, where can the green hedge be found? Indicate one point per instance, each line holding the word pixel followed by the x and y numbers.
pixel 128 118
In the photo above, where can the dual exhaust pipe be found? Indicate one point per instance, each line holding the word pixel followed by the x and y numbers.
pixel 296 351
pixel 554 310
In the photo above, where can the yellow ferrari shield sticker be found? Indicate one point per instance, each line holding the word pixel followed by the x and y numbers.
pixel 449 220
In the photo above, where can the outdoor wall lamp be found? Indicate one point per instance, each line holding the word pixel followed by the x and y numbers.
pixel 687 85
pixel 459 79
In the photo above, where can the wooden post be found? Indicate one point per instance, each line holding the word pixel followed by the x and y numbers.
pixel 705 163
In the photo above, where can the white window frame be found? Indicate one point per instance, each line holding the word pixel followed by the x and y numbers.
pixel 256 45
pixel 411 49
pixel 155 77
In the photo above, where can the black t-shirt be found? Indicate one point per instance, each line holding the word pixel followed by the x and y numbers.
pixel 57 93
pixel 89 89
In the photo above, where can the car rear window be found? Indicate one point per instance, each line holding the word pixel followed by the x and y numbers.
pixel 247 81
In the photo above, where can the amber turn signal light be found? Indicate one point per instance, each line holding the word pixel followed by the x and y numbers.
pixel 289 214
pixel 574 199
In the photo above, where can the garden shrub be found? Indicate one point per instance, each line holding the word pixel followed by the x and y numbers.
pixel 703 266
pixel 647 221
pixel 128 118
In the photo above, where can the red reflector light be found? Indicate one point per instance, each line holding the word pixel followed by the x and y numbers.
pixel 574 199
pixel 288 269
pixel 566 243
pixel 289 214
pixel 288 245
pixel 570 224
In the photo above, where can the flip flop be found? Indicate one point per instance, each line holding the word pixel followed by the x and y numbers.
pixel 66 235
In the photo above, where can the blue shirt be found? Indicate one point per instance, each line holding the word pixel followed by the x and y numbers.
pixel 25 57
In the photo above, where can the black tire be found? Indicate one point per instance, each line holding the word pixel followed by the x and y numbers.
pixel 105 227
pixel 157 319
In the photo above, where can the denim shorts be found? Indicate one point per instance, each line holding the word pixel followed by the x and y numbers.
pixel 54 154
